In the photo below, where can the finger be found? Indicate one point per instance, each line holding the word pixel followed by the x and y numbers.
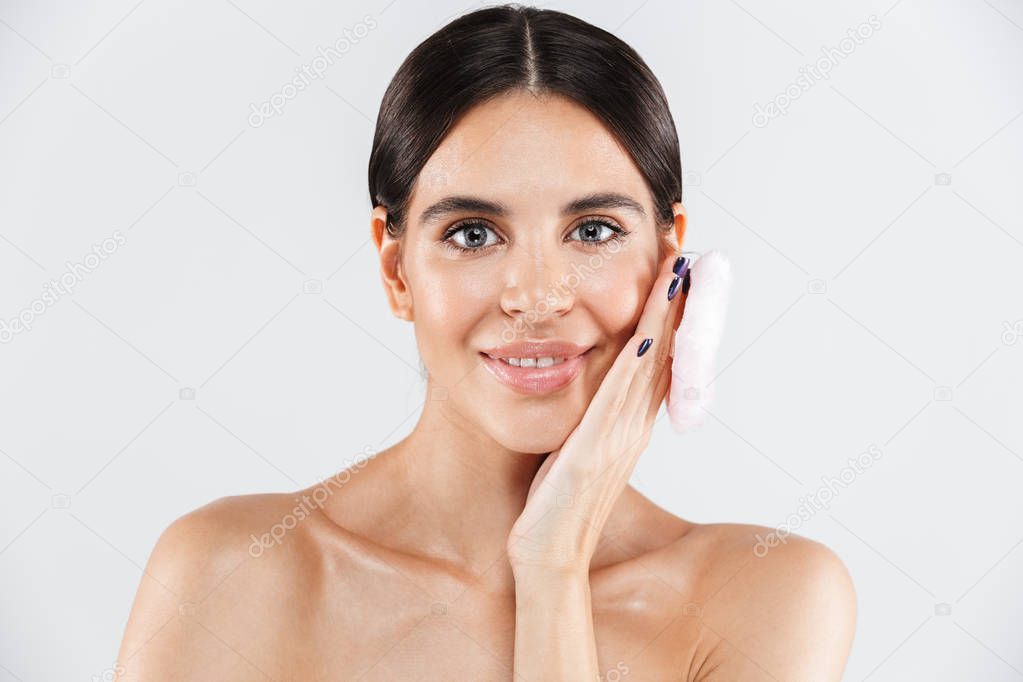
pixel 657 396
pixel 660 392
pixel 666 351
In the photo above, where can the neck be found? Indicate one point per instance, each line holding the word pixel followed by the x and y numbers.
pixel 466 488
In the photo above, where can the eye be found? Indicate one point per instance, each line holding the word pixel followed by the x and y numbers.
pixel 473 233
pixel 596 232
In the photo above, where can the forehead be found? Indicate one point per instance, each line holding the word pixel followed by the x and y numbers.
pixel 530 152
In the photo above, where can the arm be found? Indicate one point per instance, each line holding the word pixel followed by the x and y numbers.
pixel 167 635
pixel 157 639
pixel 554 628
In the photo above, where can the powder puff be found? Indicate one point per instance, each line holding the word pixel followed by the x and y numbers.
pixel 697 339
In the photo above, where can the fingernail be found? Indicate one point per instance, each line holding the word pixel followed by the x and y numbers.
pixel 673 288
pixel 681 265
pixel 685 283
pixel 643 346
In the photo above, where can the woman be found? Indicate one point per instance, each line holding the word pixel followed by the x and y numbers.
pixel 526 186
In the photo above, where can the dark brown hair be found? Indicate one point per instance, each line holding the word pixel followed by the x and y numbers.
pixel 493 50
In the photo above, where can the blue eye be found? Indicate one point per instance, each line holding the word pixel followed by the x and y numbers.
pixel 590 232
pixel 474 237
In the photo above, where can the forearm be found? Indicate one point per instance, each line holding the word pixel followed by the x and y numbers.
pixel 554 638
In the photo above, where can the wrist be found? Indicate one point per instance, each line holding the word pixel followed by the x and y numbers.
pixel 552 596
pixel 540 577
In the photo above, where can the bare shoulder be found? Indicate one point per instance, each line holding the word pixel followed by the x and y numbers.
pixel 193 552
pixel 187 610
pixel 772 606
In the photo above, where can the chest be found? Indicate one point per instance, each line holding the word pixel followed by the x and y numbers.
pixel 408 636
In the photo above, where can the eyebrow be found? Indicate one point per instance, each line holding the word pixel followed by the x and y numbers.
pixel 590 202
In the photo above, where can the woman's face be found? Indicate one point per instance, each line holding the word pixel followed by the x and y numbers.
pixel 530 270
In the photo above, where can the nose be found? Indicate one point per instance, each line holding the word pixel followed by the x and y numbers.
pixel 536 285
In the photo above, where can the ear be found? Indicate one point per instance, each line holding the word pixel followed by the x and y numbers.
pixel 673 240
pixel 392 274
pixel 679 209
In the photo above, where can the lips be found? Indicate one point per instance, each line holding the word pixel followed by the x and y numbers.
pixel 533 380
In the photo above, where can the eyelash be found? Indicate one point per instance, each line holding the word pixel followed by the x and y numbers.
pixel 619 233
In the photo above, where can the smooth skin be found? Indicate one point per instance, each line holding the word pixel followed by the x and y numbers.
pixel 465 550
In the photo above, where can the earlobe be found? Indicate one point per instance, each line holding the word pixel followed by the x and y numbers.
pixel 392 275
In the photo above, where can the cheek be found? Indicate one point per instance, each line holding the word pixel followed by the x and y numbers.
pixel 457 295
pixel 447 307
pixel 614 296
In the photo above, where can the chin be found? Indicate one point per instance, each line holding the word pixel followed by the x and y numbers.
pixel 531 441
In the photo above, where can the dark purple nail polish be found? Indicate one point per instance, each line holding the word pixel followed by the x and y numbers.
pixel 643 346
pixel 673 287
pixel 685 283
pixel 681 266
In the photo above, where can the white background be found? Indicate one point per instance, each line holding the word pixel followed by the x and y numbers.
pixel 876 301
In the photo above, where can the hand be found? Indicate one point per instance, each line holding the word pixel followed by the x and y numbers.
pixel 577 485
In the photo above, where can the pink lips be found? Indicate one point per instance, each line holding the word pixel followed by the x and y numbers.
pixel 536 380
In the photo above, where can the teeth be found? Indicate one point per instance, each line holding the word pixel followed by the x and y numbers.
pixel 533 362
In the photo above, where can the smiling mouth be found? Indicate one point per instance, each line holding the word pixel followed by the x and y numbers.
pixel 536 375
pixel 540 362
